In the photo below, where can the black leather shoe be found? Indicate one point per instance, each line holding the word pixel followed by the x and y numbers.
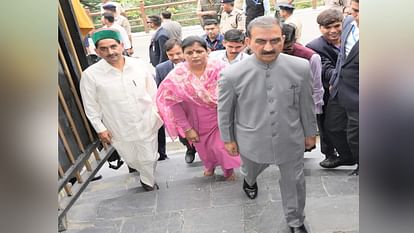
pixel 164 157
pixel 336 162
pixel 131 170
pixel 327 163
pixel 189 156
pixel 251 191
pixel 355 172
pixel 300 229
pixel 149 188
pixel 98 177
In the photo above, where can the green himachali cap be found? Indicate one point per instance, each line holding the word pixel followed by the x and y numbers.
pixel 105 34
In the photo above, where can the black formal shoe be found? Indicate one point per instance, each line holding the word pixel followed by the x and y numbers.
pixel 98 177
pixel 251 191
pixel 189 156
pixel 330 162
pixel 355 172
pixel 131 170
pixel 310 149
pixel 164 157
pixel 300 229
pixel 336 162
pixel 149 188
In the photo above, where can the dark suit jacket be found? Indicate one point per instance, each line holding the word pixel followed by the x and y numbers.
pixel 345 80
pixel 162 70
pixel 329 56
pixel 157 51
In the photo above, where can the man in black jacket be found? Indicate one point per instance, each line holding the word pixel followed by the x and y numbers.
pixel 175 55
pixel 254 9
pixel 345 81
pixel 158 54
pixel 332 121
pixel 157 47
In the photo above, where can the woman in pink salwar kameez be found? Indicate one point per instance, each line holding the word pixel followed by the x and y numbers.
pixel 187 102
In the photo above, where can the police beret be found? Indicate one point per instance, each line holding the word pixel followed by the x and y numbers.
pixel 108 6
pixel 286 6
pixel 226 1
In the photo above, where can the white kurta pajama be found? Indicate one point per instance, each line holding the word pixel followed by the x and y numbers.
pixel 123 102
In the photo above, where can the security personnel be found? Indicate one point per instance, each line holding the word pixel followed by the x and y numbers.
pixel 231 17
pixel 208 9
pixel 277 9
pixel 287 16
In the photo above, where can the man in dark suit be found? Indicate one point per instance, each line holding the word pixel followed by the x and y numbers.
pixel 175 56
pixel 345 81
pixel 157 47
pixel 331 136
pixel 158 55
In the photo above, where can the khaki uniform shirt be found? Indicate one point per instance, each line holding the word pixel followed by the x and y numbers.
pixel 123 21
pixel 235 20
pixel 209 5
pixel 238 4
pixel 298 25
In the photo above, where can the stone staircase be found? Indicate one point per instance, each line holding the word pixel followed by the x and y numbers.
pixel 188 202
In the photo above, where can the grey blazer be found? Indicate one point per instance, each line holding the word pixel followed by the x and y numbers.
pixel 267 109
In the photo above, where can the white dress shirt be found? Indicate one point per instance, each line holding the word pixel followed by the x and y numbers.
pixel 352 38
pixel 221 55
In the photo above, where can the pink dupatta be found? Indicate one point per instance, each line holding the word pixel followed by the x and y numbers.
pixel 182 85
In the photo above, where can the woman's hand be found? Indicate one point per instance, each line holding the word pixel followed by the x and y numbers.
pixel 192 136
pixel 231 148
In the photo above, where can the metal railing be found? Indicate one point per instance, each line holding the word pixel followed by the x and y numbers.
pixel 80 153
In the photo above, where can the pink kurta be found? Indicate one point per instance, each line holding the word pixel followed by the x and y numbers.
pixel 185 102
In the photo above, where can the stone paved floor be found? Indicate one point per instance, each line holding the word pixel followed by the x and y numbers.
pixel 187 202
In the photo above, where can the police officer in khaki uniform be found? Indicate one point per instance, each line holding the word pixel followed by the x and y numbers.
pixel 231 17
pixel 338 4
pixel 277 9
pixel 208 9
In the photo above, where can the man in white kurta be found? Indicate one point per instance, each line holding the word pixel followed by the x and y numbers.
pixel 118 94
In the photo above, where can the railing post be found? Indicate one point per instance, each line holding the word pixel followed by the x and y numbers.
pixel 314 3
pixel 143 16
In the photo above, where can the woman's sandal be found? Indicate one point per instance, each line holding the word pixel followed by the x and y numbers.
pixel 208 173
pixel 231 177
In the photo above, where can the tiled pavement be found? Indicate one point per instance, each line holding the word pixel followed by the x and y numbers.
pixel 187 202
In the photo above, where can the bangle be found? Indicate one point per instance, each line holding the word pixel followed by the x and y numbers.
pixel 185 131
